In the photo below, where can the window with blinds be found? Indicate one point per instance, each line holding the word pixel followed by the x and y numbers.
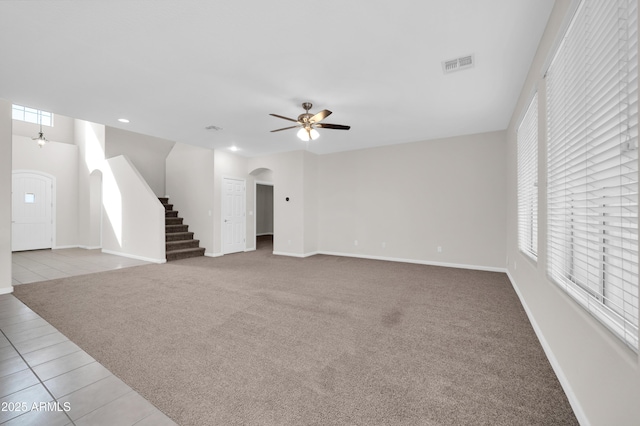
pixel 527 147
pixel 592 163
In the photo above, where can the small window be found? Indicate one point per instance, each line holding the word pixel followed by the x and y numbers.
pixel 29 198
pixel 32 115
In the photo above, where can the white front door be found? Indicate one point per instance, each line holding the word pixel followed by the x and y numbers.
pixel 233 215
pixel 31 211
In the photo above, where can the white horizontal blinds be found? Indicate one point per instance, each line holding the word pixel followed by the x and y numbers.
pixel 592 163
pixel 528 181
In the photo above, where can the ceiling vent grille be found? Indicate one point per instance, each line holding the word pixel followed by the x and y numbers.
pixel 458 64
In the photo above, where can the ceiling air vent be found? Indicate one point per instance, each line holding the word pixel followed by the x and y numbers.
pixel 457 64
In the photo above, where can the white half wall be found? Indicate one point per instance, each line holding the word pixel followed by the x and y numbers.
pixel 5 197
pixel 59 160
pixel 147 153
pixel 404 201
pixel 600 375
pixel 133 219
pixel 189 183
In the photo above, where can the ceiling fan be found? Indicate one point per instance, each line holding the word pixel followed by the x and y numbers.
pixel 309 122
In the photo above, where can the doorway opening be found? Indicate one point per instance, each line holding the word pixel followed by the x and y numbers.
pixel 264 216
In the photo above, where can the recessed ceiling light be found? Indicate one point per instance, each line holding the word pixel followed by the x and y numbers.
pixel 123 120
pixel 234 148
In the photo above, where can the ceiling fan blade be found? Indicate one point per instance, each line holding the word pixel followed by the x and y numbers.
pixel 284 128
pixel 320 116
pixel 332 126
pixel 284 118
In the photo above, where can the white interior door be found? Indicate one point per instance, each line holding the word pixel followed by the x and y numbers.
pixel 32 211
pixel 233 215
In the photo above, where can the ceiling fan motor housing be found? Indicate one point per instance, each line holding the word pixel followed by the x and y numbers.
pixel 304 118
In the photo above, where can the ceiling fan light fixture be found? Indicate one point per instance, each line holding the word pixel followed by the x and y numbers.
pixel 304 135
pixel 307 122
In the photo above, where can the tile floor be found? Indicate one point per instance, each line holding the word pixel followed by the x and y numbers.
pixel 42 265
pixel 47 379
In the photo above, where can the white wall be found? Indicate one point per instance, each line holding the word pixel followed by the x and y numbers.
pixel 189 184
pixel 415 197
pixel 311 196
pixel 5 197
pixel 58 160
pixel 90 140
pixel 600 375
pixel 288 180
pixel 62 130
pixel 147 153
pixel 133 218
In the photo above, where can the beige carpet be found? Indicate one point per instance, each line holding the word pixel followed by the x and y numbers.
pixel 256 339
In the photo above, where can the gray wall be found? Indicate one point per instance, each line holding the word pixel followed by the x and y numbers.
pixel 402 202
pixel 264 209
pixel 600 375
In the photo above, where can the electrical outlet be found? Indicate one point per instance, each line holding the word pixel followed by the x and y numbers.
pixel 355 243
pixel 384 245
pixel 439 249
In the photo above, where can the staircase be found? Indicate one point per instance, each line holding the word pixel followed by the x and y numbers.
pixel 179 242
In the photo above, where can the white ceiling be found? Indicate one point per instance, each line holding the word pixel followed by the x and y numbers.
pixel 175 67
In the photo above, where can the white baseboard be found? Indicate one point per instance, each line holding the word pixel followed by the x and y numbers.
pixel 300 255
pixel 64 247
pixel 208 254
pixel 133 256
pixel 6 290
pixel 90 247
pixel 564 382
pixel 416 261
pixel 250 249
